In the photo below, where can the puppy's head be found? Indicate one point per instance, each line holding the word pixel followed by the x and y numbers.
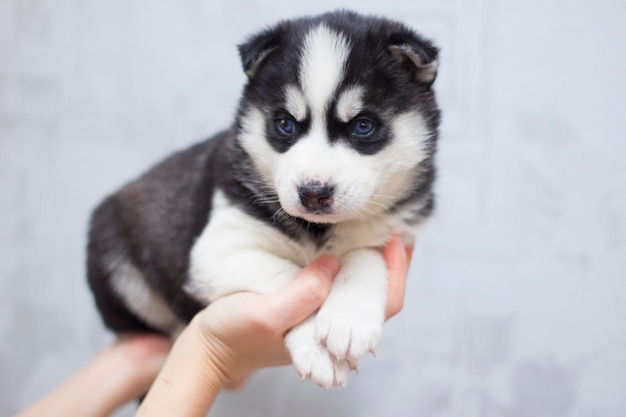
pixel 338 116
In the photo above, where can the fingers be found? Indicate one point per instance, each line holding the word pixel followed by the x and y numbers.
pixel 398 259
pixel 305 294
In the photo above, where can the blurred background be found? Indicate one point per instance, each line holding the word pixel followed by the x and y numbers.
pixel 516 303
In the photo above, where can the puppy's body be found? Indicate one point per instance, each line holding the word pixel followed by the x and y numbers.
pixel 331 152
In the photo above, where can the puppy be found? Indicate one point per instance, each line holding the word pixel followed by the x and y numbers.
pixel 331 152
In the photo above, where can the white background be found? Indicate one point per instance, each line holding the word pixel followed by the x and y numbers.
pixel 516 305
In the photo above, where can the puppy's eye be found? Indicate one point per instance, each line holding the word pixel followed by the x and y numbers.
pixel 363 127
pixel 286 125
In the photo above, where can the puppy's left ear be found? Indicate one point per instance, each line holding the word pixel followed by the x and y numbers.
pixel 255 50
pixel 417 55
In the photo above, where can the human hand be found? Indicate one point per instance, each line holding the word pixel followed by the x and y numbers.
pixel 245 331
pixel 240 333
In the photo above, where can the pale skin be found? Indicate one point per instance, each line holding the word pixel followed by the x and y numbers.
pixel 222 346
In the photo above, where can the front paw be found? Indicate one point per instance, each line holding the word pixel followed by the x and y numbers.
pixel 347 333
pixel 312 361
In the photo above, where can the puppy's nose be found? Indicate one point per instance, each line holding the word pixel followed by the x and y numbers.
pixel 316 196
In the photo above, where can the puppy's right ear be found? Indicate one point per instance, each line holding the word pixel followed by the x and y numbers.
pixel 254 51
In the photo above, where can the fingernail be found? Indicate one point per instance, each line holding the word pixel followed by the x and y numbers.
pixel 328 264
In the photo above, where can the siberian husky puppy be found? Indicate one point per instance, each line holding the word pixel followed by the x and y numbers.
pixel 331 152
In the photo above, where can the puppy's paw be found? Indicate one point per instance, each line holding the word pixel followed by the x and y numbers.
pixel 316 364
pixel 312 361
pixel 348 334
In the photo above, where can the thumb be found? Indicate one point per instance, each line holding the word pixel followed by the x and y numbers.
pixel 305 294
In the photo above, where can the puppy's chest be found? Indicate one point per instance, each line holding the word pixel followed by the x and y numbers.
pixel 345 237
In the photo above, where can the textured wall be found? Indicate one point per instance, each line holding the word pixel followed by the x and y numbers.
pixel 517 298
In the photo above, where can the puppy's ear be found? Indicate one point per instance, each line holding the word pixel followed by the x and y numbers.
pixel 254 51
pixel 417 55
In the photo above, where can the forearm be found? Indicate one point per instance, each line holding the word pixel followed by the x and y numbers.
pixel 94 391
pixel 189 381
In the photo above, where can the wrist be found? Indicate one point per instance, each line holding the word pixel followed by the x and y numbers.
pixel 207 353
pixel 191 375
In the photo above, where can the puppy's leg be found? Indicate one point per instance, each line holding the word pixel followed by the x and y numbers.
pixel 241 270
pixel 349 324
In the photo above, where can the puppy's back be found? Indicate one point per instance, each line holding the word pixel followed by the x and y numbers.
pixel 140 238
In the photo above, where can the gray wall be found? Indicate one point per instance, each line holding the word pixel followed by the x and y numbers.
pixel 517 297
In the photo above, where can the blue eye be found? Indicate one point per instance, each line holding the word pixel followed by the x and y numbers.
pixel 363 127
pixel 286 125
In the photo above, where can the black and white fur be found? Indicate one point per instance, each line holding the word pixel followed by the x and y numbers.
pixel 331 152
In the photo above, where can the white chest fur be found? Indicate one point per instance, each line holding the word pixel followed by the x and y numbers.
pixel 232 241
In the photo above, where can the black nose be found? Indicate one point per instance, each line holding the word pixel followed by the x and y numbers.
pixel 316 196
